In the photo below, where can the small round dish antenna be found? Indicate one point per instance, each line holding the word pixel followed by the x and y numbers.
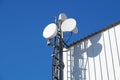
pixel 75 30
pixel 50 31
pixel 62 16
pixel 68 25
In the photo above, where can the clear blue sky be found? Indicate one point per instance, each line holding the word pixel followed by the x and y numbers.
pixel 24 54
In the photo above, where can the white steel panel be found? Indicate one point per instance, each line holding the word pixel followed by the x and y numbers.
pixel 114 54
pixel 96 51
pixel 65 63
pixel 97 58
pixel 103 60
pixel 108 56
pixel 117 35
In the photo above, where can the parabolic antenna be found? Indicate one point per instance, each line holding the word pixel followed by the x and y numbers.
pixel 68 25
pixel 62 16
pixel 75 30
pixel 50 31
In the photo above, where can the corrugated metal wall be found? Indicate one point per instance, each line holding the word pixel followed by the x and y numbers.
pixel 97 58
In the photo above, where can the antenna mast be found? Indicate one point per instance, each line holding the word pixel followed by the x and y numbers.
pixel 57 56
pixel 55 31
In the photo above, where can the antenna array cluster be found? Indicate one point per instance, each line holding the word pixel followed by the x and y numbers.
pixel 55 32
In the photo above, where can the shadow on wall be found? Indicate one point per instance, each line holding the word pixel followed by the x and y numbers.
pixel 89 48
pixel 95 48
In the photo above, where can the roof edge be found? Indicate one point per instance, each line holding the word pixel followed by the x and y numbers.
pixel 91 35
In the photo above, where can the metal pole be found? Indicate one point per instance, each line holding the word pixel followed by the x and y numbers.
pixel 61 58
pixel 57 56
pixel 61 65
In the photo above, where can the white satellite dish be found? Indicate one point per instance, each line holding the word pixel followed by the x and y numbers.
pixel 50 31
pixel 62 16
pixel 68 25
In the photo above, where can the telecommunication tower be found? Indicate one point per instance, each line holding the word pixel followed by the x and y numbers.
pixel 54 33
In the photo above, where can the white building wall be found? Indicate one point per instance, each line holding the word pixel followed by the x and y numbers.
pixel 96 58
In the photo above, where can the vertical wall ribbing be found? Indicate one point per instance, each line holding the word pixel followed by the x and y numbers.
pixel 111 55
pixel 103 57
pixel 116 42
pixel 100 68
